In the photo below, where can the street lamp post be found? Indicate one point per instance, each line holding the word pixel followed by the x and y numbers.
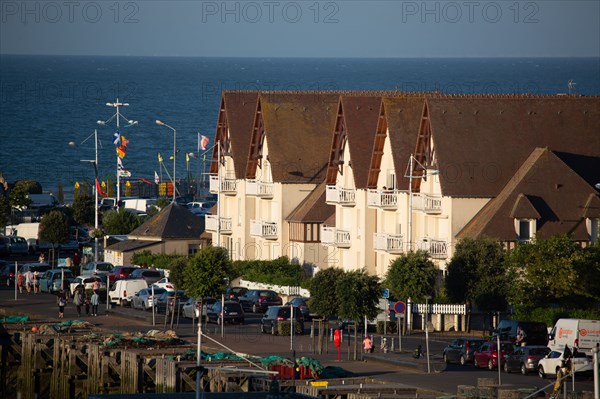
pixel 427 298
pixel 161 123
pixel 95 163
pixel 117 115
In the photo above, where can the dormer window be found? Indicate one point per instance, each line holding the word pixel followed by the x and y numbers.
pixel 526 229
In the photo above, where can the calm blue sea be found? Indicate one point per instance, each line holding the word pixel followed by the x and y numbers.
pixel 47 102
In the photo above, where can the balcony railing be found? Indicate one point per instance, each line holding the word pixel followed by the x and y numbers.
pixel 335 237
pixel 431 204
pixel 342 196
pixel 228 185
pixel 266 230
pixel 438 249
pixel 225 224
pixel 259 188
pixel 383 199
pixel 391 243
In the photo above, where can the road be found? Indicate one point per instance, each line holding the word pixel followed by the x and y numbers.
pixel 248 339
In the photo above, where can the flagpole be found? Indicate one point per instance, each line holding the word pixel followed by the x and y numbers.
pixel 96 203
pixel 117 104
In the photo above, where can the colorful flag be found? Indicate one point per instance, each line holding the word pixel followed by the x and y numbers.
pixel 145 180
pixel 117 138
pixel 159 158
pixel 124 173
pixel 202 142
pixel 124 141
pixel 99 189
pixel 119 164
pixel 156 179
pixel 187 157
pixel 121 151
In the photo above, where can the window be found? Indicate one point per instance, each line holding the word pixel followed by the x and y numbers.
pixel 594 227
pixel 525 229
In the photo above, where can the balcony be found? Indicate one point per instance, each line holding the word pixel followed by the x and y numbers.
pixel 430 204
pixel 259 189
pixel 383 199
pixel 266 230
pixel 438 249
pixel 390 243
pixel 335 237
pixel 225 224
pixel 228 185
pixel 340 196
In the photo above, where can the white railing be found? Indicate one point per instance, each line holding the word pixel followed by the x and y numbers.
pixel 259 188
pixel 280 289
pixel 386 199
pixel 228 185
pixel 340 195
pixel 268 230
pixel 212 220
pixel 392 243
pixel 438 249
pixel 438 308
pixel 427 203
pixel 335 237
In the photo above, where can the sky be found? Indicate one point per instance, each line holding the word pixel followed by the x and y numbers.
pixel 302 28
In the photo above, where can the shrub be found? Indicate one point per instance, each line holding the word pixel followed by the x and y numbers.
pixel 283 328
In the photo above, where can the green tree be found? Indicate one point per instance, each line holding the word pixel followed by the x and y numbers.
pixel 61 194
pixel 119 221
pixel 31 186
pixel 544 272
pixel 18 196
pixel 207 272
pixel 323 300
pixel 411 276
pixel 4 210
pixel 83 209
pixel 588 269
pixel 476 273
pixel 54 228
pixel 177 268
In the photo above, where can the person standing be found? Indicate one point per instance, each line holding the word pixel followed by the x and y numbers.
pixel 20 281
pixel 521 336
pixel 95 301
pixel 61 301
pixel 368 344
pixel 76 261
pixel 42 258
pixel 36 282
pixel 78 301
pixel 29 280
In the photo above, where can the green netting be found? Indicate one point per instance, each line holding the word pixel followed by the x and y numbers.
pixel 14 319
pixel 313 364
pixel 221 356
pixel 71 323
pixel 334 372
pixel 141 340
pixel 275 360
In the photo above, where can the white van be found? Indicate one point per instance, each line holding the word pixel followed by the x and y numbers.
pixel 584 334
pixel 122 291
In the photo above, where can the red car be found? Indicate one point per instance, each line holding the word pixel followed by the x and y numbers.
pixel 120 272
pixel 487 354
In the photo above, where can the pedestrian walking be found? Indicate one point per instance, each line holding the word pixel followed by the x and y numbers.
pixel 87 305
pixel 78 301
pixel 96 283
pixel 20 281
pixel 368 344
pixel 29 281
pixel 95 301
pixel 61 301
pixel 36 282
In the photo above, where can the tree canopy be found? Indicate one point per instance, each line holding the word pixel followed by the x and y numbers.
pixel 54 228
pixel 207 272
pixel 411 276
pixel 323 299
pixel 357 295
pixel 120 221
pixel 84 209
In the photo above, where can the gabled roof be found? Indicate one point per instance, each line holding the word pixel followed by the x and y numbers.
pixel 234 128
pixel 174 221
pixel 361 114
pixel 313 209
pixel 403 116
pixel 480 142
pixel 298 127
pixel 131 245
pixel 543 185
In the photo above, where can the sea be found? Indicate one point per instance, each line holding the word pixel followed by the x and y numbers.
pixel 50 105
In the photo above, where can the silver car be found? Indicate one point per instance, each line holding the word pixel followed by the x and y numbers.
pixel 144 299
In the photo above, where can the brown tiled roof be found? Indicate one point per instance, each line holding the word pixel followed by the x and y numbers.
pixel 174 221
pixel 524 209
pixel 313 209
pixel 240 110
pixel 361 114
pixel 480 142
pixel 554 190
pixel 131 245
pixel 298 130
pixel 403 115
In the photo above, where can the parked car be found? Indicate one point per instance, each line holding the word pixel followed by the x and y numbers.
pixel 232 312
pixel 87 282
pixel 192 305
pixel 120 272
pixel 487 354
pixel 461 350
pixel 536 333
pixel 549 365
pixel 302 304
pixel 276 314
pixel 51 280
pixel 151 276
pixel 122 291
pixel 165 283
pixel 3 246
pixel 525 358
pixel 93 267
pixel 36 267
pixel 174 299
pixel 144 299
pixel 259 300
pixel 16 245
pixel 7 272
pixel 233 293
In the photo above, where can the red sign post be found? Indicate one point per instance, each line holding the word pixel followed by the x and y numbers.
pixel 337 340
